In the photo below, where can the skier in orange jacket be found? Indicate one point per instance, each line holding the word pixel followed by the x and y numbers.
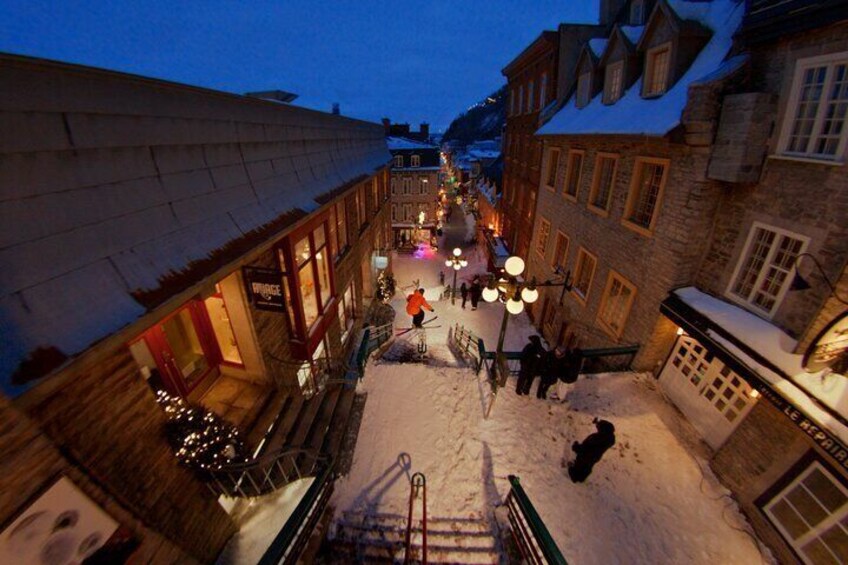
pixel 415 305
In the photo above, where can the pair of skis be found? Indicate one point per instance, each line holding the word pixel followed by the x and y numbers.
pixel 403 331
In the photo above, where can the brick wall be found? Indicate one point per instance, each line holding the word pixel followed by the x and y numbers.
pixel 31 463
pixel 104 419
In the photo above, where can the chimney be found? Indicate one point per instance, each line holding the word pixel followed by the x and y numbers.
pixel 387 125
pixel 610 10
pixel 425 131
pixel 336 110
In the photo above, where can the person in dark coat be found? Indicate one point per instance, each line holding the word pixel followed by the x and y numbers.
pixel 463 292
pixel 475 292
pixel 554 364
pixel 531 357
pixel 573 364
pixel 591 450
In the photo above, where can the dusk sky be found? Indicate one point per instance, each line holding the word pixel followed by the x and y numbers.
pixel 410 61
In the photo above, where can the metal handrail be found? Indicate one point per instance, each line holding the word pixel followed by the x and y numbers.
pixel 292 538
pixel 264 474
pixel 529 531
pixel 418 481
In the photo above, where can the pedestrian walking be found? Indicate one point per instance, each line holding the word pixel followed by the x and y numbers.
pixel 573 364
pixel 553 365
pixel 531 357
pixel 463 292
pixel 590 451
pixel 415 306
pixel 475 292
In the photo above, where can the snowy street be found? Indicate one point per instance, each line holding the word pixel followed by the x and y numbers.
pixel 651 498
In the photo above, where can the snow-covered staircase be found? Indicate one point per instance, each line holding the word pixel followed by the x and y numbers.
pixel 380 538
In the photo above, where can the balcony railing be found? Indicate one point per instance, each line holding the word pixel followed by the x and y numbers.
pixel 528 530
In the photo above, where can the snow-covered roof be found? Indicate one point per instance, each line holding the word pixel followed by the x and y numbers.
pixel 483 154
pixel 777 347
pixel 597 45
pixel 632 114
pixel 632 33
pixel 128 190
pixel 401 143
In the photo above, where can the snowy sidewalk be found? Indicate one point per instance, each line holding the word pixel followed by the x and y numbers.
pixel 647 501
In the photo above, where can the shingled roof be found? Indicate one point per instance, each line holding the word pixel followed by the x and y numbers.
pixel 118 192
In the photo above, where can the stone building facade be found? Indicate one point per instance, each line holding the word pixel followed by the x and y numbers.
pixel 415 174
pixel 135 215
pixel 686 241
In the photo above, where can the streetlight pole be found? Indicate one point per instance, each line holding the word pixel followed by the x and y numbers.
pixel 457 262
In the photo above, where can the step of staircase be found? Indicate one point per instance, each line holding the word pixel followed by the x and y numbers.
pixel 380 537
pixel 262 426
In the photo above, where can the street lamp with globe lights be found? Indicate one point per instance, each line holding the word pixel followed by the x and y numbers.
pixel 457 261
pixel 514 293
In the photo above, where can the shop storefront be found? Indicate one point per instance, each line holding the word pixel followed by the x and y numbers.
pixel 772 416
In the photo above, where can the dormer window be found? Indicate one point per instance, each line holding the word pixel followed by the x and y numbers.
pixel 399 161
pixel 521 99
pixel 530 99
pixel 613 82
pixel 656 70
pixel 543 90
pixel 584 85
pixel 416 161
pixel 637 12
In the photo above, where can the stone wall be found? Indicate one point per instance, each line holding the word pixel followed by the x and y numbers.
pixel 103 418
pixel 654 264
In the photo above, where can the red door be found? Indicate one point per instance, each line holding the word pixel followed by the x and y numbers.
pixel 184 348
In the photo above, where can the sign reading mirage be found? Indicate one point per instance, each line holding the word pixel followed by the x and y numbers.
pixel 830 348
pixel 265 288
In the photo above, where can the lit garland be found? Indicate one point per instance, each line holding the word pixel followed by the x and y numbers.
pixel 385 287
pixel 201 439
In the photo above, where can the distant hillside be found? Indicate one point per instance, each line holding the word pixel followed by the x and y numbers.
pixel 484 120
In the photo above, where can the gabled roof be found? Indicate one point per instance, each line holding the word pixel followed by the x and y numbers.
pixel 634 115
pixel 618 35
pixel 119 192
pixel 684 16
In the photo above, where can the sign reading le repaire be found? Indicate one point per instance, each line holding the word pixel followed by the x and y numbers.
pixel 265 288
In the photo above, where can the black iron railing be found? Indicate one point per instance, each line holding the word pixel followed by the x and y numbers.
pixel 529 531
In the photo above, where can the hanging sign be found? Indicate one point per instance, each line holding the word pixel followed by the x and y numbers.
pixel 265 288
pixel 829 350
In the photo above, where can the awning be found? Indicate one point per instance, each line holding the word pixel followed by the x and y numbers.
pixel 762 354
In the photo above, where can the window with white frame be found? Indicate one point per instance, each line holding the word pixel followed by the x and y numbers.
pixel 407 212
pixel 407 185
pixel 584 85
pixel 584 272
pixel 399 161
pixel 637 12
pixel 656 70
pixel 394 212
pixel 347 310
pixel 415 161
pixel 543 91
pixel 645 196
pixel 811 513
pixel 520 98
pixel 613 82
pixel 602 182
pixel 423 186
pixel 815 121
pixel 615 304
pixel 394 185
pixel 544 234
pixel 766 267
pixel 553 166
pixel 530 97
